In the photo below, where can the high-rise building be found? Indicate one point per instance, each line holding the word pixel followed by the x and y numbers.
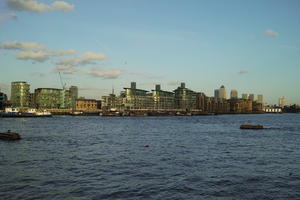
pixel 260 98
pixel 233 94
pixel 222 92
pixel 216 94
pixel 251 97
pixel 245 96
pixel 281 102
pixel 20 94
pixel 73 95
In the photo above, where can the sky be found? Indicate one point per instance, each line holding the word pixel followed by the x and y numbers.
pixel 251 46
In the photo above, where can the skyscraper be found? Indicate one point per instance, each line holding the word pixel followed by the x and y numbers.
pixel 281 102
pixel 216 94
pixel 20 94
pixel 245 96
pixel 251 97
pixel 260 98
pixel 233 94
pixel 222 92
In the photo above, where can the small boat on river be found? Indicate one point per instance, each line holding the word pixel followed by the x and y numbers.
pixel 248 126
pixel 24 112
pixel 10 136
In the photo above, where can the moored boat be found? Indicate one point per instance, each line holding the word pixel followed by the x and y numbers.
pixel 10 136
pixel 27 112
pixel 248 126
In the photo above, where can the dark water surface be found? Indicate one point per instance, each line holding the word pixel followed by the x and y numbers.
pixel 202 157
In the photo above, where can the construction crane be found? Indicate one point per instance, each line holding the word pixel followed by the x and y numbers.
pixel 61 82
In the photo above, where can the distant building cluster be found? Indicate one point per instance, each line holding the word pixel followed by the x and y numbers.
pixel 181 99
pixel 133 99
pixel 46 98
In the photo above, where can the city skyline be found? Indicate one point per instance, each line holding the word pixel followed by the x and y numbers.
pixel 252 47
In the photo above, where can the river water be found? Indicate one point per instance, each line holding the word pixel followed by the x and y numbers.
pixel 200 157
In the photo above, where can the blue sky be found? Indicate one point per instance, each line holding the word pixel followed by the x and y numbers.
pixel 251 46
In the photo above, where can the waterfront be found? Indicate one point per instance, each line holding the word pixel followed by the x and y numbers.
pixel 198 157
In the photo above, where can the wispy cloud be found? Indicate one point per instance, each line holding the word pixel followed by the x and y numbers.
pixel 34 51
pixel 97 72
pixel 4 17
pixel 42 55
pixel 36 6
pixel 83 59
pixel 39 56
pixel 105 74
pixel 271 33
pixel 243 71
pixel 61 52
pixel 14 45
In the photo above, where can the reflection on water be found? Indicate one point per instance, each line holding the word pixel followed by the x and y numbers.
pixel 206 157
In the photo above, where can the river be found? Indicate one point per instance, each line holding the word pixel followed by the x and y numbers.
pixel 198 157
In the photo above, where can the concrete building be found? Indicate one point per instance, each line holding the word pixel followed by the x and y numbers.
pixel 281 102
pixel 73 95
pixel 20 94
pixel 241 106
pixel 184 98
pixel 200 101
pixel 233 94
pixel 86 105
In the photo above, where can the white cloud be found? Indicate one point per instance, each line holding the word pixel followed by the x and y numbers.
pixel 35 6
pixel 243 71
pixel 93 56
pixel 66 69
pixel 62 5
pixel 21 45
pixel 106 74
pixel 83 59
pixel 62 52
pixel 94 71
pixel 39 56
pixel 271 33
pixel 4 17
pixel 34 51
